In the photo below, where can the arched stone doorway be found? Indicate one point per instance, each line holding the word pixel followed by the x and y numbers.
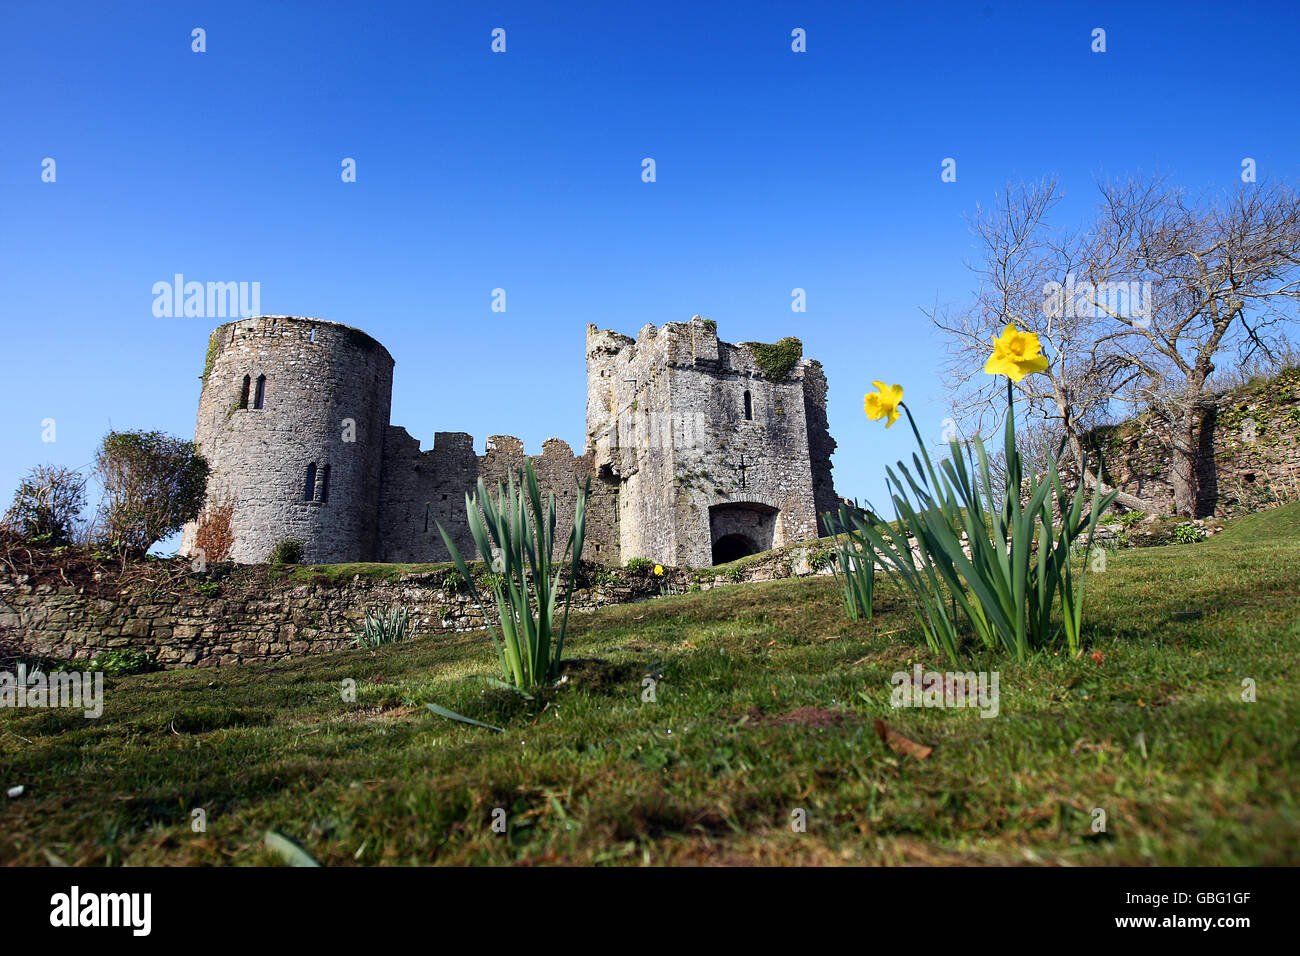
pixel 740 529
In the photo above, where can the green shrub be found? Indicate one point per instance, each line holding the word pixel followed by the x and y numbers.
pixel 450 580
pixel 124 661
pixel 1189 533
pixel 820 559
pixel 153 484
pixel 47 505
pixel 1129 518
pixel 603 577
pixel 287 551
pixel 639 564
pixel 777 359
pixel 1160 531
pixel 388 626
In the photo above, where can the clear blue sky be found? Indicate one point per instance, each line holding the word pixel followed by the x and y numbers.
pixel 522 171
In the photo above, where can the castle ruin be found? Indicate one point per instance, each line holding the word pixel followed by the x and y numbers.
pixel 698 451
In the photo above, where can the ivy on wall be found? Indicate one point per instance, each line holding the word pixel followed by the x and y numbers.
pixel 1254 463
pixel 212 357
pixel 777 359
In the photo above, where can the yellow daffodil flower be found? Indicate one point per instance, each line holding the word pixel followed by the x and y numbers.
pixel 1015 354
pixel 659 569
pixel 883 404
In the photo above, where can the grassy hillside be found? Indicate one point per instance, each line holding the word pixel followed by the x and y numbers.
pixel 765 704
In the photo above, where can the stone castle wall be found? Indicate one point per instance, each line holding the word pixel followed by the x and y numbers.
pixel 820 443
pixel 689 442
pixel 424 489
pixel 631 433
pixel 1249 457
pixel 278 619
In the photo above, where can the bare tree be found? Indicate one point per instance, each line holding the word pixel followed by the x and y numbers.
pixel 1133 310
pixel 1222 275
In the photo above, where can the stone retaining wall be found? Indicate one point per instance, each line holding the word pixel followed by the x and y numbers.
pixel 1249 457
pixel 255 613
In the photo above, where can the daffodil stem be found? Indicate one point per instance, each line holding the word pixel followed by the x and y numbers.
pixel 911 421
pixel 929 465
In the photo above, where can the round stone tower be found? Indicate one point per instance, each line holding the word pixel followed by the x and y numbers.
pixel 292 419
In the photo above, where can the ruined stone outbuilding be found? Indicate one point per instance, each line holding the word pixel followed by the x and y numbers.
pixel 698 451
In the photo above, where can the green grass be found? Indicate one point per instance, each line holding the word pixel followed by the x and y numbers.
pixel 1156 734
pixel 336 574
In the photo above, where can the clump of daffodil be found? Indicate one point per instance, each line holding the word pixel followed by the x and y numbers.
pixel 1016 354
pixel 883 403
pixel 998 551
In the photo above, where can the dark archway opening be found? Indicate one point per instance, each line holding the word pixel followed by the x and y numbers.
pixel 732 547
pixel 740 528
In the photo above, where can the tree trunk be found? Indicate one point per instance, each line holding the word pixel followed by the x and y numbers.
pixel 1182 439
pixel 1182 474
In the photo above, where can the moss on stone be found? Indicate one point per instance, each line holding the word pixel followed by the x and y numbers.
pixel 211 357
pixel 1271 406
pixel 338 575
pixel 777 359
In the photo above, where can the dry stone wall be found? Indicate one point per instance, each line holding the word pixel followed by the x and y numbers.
pixel 275 619
pixel 260 614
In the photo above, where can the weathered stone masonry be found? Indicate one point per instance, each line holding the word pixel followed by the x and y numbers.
pixel 1249 441
pixel 695 454
pixel 711 459
pixel 264 613
pixel 183 627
